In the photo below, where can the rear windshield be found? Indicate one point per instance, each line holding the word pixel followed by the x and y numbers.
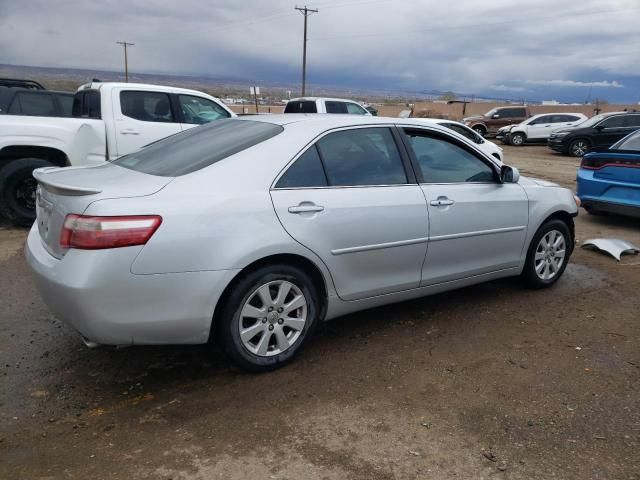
pixel 301 106
pixel 198 147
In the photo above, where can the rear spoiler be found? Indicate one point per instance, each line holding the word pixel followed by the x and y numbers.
pixel 44 178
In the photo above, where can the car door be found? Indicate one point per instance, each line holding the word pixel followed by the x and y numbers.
pixel 351 199
pixel 477 224
pixel 194 111
pixel 142 117
pixel 610 130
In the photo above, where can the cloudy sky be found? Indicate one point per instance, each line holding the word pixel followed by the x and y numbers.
pixel 532 49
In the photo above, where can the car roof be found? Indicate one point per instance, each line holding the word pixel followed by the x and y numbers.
pixel 313 99
pixel 555 113
pixel 138 86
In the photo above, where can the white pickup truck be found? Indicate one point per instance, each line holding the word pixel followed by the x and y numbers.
pixel 109 120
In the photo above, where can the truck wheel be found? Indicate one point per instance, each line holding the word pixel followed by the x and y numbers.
pixel 517 139
pixel 480 130
pixel 18 190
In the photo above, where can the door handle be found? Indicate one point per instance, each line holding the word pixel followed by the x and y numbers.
pixel 441 202
pixel 306 208
pixel 129 131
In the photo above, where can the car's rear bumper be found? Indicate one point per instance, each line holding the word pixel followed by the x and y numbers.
pixel 607 195
pixel 96 293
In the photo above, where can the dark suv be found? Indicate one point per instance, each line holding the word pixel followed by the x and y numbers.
pixel 597 133
pixel 42 103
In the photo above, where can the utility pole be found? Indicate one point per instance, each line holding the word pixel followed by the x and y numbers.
pixel 306 12
pixel 126 63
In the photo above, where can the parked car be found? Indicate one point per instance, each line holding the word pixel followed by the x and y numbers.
pixel 324 105
pixel 250 231
pixel 597 133
pixel 538 128
pixel 486 146
pixel 610 181
pixel 494 119
pixel 21 83
pixel 111 120
pixel 33 102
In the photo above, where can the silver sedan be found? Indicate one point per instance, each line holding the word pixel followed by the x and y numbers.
pixel 249 232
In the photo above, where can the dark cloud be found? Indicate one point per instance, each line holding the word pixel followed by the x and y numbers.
pixel 466 46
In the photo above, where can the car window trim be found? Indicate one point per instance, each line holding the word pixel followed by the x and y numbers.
pixel 473 151
pixel 411 178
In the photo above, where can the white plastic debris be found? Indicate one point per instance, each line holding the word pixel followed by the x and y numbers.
pixel 613 246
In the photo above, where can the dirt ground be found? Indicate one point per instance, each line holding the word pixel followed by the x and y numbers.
pixel 492 381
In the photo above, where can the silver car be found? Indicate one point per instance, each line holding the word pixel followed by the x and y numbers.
pixel 249 232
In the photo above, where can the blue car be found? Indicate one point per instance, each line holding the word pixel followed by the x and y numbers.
pixel 609 181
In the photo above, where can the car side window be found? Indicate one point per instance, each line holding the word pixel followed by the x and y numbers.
pixel 335 107
pixel 442 161
pixel 362 156
pixel 613 122
pixel 146 106
pixel 465 132
pixel 198 110
pixel 633 121
pixel 541 120
pixel 306 172
pixel 33 103
pixel 304 106
pixel 355 109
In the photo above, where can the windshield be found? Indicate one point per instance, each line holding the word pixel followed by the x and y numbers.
pixel 630 142
pixel 593 120
pixel 491 112
pixel 199 147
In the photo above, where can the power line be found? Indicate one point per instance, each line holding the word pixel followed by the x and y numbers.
pixel 126 62
pixel 306 12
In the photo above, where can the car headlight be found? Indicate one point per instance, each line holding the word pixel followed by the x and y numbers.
pixel 560 134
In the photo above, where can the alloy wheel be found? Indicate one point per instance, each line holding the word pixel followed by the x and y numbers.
pixel 272 318
pixel 550 255
pixel 580 148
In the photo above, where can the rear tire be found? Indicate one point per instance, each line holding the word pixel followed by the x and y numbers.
pixel 548 255
pixel 268 317
pixel 18 190
pixel 517 139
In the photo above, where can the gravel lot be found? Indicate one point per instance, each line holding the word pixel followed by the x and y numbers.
pixel 492 381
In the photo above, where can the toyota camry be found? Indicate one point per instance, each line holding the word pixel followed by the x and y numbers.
pixel 248 232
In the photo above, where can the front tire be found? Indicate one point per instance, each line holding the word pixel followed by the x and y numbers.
pixel 517 139
pixel 268 317
pixel 579 147
pixel 548 255
pixel 480 130
pixel 18 190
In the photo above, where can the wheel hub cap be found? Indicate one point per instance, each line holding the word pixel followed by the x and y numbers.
pixel 272 318
pixel 550 255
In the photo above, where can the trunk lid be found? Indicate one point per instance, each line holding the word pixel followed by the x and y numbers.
pixel 72 189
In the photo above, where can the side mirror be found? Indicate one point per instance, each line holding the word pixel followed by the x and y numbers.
pixel 599 127
pixel 495 115
pixel 509 174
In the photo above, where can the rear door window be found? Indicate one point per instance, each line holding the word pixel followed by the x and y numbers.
pixel 362 156
pixel 633 121
pixel 336 107
pixel 306 172
pixel 301 106
pixel 197 148
pixel 147 106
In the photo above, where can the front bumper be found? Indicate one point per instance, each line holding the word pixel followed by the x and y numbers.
pixel 95 292
pixel 557 144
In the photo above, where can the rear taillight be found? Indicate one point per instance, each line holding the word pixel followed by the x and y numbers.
pixel 93 233
pixel 596 163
